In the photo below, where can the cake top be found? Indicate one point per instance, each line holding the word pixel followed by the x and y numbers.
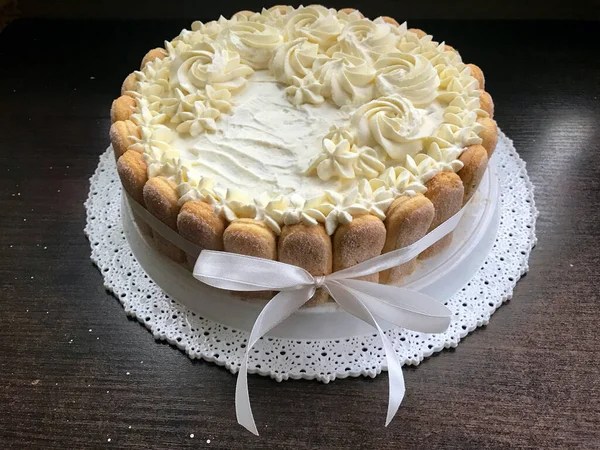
pixel 305 115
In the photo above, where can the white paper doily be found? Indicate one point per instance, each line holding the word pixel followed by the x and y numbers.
pixel 323 360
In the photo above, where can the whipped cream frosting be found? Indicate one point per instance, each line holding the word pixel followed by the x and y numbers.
pixel 265 144
pixel 304 115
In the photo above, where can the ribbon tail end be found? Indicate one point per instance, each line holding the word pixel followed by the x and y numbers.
pixel 250 426
pixel 390 416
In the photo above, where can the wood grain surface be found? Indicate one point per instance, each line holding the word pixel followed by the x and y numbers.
pixel 75 372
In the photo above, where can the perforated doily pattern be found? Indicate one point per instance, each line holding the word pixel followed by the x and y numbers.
pixel 324 360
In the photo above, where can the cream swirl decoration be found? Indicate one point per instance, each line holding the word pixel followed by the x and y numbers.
pixel 338 160
pixel 346 79
pixel 405 107
pixel 365 39
pixel 305 90
pixel 294 59
pixel 411 76
pixel 211 63
pixel 315 23
pixel 394 124
pixel 254 42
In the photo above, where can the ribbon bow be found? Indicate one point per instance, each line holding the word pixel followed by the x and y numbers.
pixel 365 300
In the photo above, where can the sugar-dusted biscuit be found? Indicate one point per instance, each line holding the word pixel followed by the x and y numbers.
pixel 390 20
pixel 357 241
pixel 122 134
pixel 153 54
pixel 420 33
pixel 129 84
pixel 283 9
pixel 122 108
pixel 161 200
pixel 308 247
pixel 446 191
pixel 243 15
pixel 132 170
pixel 251 238
pixel 198 223
pixel 486 103
pixel 475 160
pixel 477 73
pixel 408 220
pixel 449 48
pixel 350 11
pixel 489 134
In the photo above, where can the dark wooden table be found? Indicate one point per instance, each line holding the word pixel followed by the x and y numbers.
pixel 527 380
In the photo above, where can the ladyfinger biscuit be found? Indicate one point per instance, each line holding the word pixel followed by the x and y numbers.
pixel 420 33
pixel 489 134
pixel 449 48
pixel 251 238
pixel 308 247
pixel 477 73
pixel 408 220
pixel 122 108
pixel 357 241
pixel 132 170
pixel 390 20
pixel 129 84
pixel 198 223
pixel 161 200
pixel 244 13
pixel 281 8
pixel 475 160
pixel 153 54
pixel 486 103
pixel 350 11
pixel 122 134
pixel 446 191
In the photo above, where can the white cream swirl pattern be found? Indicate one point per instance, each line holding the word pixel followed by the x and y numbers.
pixel 254 42
pixel 315 23
pixel 411 76
pixel 211 63
pixel 365 39
pixel 393 123
pixel 346 79
pixel 239 108
pixel 294 59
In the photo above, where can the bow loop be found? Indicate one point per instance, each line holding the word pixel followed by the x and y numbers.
pixel 246 273
pixel 401 307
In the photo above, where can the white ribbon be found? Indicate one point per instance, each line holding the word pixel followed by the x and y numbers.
pixel 365 300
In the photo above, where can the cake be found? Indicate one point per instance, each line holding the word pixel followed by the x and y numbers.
pixel 311 136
